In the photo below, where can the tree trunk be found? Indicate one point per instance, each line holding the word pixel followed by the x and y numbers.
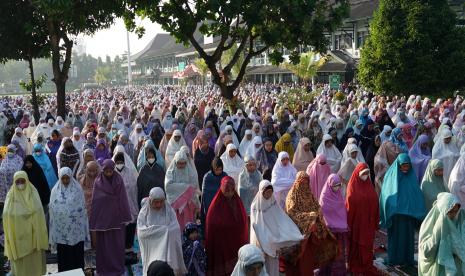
pixel 61 97
pixel 35 103
pixel 60 72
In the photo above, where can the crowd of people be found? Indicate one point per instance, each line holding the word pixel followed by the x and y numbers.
pixel 202 187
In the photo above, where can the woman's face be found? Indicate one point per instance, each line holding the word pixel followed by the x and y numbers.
pixel 251 166
pixel 65 180
pixel 307 147
pixel 28 164
pixel 328 143
pixel 228 190
pixel 285 161
pixel 254 269
pixel 157 204
pixel 218 170
pixel 108 172
pixel 453 211
pixel 181 164
pixel 232 153
pixel 353 154
pixel 405 167
pixel 267 193
pixel 268 146
pixel 439 172
pixel 447 140
pixel 101 147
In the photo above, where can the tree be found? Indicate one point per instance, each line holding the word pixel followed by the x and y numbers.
pixel 414 47
pixel 254 26
pixel 102 74
pixel 226 58
pixel 307 67
pixel 203 69
pixel 66 19
pixel 23 38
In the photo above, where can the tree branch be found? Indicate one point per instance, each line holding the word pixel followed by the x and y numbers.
pixel 236 55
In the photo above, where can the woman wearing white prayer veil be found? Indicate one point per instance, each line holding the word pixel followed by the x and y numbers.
pixel 159 233
pixel 232 163
pixel 352 156
pixel 128 172
pixel 174 145
pixel 271 228
pixel 457 180
pixel 246 142
pixel 446 150
pixel 182 189
pixel 250 262
pixel 282 177
pixel 333 156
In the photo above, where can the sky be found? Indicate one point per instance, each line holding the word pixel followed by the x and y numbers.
pixel 112 41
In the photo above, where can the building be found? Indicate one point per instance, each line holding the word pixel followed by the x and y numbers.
pixel 162 60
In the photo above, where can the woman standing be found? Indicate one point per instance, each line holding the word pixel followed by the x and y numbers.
pixel 69 226
pixel 110 213
pixel 282 177
pixel 420 154
pixel 303 155
pixel 335 215
pixel 182 190
pixel 226 229
pixel 362 220
pixel 159 234
pixel 25 228
pixel 8 167
pixel 441 239
pixel 318 171
pixel 87 183
pixel 44 162
pixel 333 156
pixel 284 144
pixel 34 172
pixel 249 179
pixel 68 156
pixel 402 208
pixel 151 175
pixel 232 163
pixel 433 182
pixel 126 168
pixel 320 246
pixel 210 186
pixel 271 228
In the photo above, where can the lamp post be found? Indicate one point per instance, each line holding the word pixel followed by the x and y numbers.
pixel 129 61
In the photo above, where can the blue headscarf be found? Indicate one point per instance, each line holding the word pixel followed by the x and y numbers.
pixel 44 162
pixel 141 159
pixel 399 142
pixel 400 194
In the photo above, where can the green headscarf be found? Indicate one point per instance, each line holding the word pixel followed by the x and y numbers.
pixel 441 249
pixel 432 185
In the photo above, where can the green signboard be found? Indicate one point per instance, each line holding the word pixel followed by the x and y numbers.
pixel 334 81
pixel 181 66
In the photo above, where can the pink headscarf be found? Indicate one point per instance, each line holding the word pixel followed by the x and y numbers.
pixel 318 174
pixel 333 205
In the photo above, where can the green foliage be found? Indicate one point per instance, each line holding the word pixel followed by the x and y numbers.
pixel 414 47
pixel 307 67
pixel 228 56
pixel 102 74
pixel 38 83
pixel 254 26
pixel 297 96
pixel 201 65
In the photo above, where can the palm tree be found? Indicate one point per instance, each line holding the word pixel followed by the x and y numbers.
pixel 307 67
pixel 202 67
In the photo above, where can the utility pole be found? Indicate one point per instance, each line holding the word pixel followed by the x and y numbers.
pixel 129 61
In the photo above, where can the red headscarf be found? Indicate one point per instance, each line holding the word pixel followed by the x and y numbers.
pixel 226 230
pixel 362 208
